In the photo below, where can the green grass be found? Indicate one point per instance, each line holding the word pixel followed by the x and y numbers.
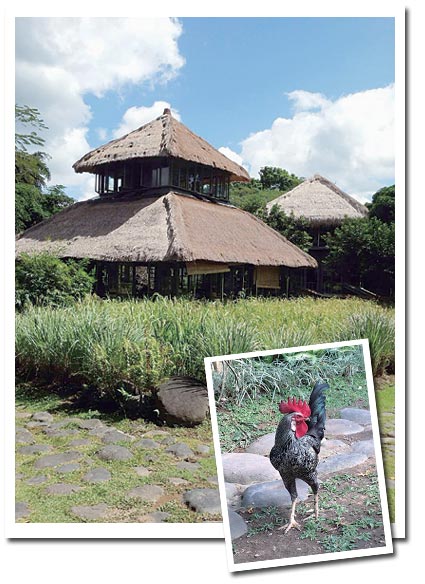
pixel 131 345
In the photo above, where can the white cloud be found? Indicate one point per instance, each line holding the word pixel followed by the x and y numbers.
pixel 60 60
pixel 230 154
pixel 135 117
pixel 349 140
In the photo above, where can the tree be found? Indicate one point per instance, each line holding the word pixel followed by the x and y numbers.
pixel 34 201
pixel 272 177
pixel 361 253
pixel 383 204
pixel 294 229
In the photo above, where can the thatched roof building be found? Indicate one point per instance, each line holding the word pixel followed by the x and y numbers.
pixel 168 228
pixel 319 201
pixel 163 222
pixel 163 137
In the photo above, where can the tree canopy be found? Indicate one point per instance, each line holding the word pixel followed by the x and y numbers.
pixel 383 204
pixel 34 201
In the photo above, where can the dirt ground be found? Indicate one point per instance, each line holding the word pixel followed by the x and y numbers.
pixel 350 518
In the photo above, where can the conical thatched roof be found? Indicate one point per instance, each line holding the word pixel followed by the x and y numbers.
pixel 170 227
pixel 319 201
pixel 164 136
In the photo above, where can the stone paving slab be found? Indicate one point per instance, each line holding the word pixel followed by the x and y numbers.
pixel 97 475
pixel 262 445
pixel 62 489
pixel 149 493
pixel 237 525
pixel 341 427
pixel 147 443
pixel 35 449
pixel 360 416
pixel 203 500
pixel 180 450
pixel 246 468
pixel 42 417
pixel 90 512
pixel 24 436
pixel 37 480
pixel 364 446
pixel 53 460
pixel 340 462
pixel 113 452
pixel 272 494
pixel 21 510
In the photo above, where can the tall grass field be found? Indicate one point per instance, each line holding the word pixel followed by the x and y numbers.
pixel 132 345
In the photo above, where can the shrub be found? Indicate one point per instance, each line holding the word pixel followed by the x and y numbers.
pixel 44 279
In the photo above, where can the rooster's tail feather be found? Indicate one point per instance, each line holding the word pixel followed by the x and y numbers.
pixel 317 403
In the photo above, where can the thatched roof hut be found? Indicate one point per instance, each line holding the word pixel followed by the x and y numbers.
pixel 174 227
pixel 163 137
pixel 319 201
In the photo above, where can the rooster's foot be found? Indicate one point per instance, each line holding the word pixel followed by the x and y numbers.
pixel 290 525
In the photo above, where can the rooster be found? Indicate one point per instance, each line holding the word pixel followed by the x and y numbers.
pixel 295 453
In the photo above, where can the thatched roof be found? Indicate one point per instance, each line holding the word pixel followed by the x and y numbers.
pixel 164 136
pixel 319 201
pixel 170 227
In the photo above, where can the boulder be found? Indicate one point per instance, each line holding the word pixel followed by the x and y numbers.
pixel 356 415
pixel 262 445
pixel 237 525
pixel 245 468
pixel 272 494
pixel 182 401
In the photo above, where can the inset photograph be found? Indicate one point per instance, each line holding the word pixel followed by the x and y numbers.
pixel 298 455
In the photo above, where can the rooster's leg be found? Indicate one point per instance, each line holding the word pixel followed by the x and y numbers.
pixel 316 505
pixel 292 523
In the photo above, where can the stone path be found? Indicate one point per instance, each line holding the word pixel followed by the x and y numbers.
pixel 85 457
pixel 252 482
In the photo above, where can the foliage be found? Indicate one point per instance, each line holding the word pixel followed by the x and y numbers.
pixel 383 204
pixel 272 177
pixel 44 279
pixel 250 196
pixel 296 230
pixel 361 252
pixel 33 200
pixel 108 343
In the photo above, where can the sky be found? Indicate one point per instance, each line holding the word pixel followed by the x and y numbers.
pixel 311 95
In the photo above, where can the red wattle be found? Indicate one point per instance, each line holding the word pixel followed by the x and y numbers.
pixel 301 429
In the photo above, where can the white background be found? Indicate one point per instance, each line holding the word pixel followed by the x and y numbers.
pixel 106 561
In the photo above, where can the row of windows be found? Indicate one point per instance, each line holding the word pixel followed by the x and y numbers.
pixel 199 179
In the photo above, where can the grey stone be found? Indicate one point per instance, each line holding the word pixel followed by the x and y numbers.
pixel 155 433
pixel 147 443
pixel 181 450
pixel 272 494
pixel 262 445
pixel 330 447
pixel 113 452
pixel 245 468
pixel 237 525
pixel 23 415
pixel 18 476
pixel 176 481
pixel 62 489
pixel 35 449
pixel 53 460
pixel 341 427
pixel 90 512
pixel 182 401
pixel 80 442
pixel 142 471
pixel 89 424
pixel 42 417
pixel 213 480
pixel 23 436
pixel 356 415
pixel 233 493
pixel 364 446
pixel 21 510
pixel 340 462
pixel 33 424
pixel 113 436
pixel 156 517
pixel 203 500
pixel 202 449
pixel 58 433
pixel 99 431
pixel 185 465
pixel 70 467
pixel 38 480
pixel 97 475
pixel 149 493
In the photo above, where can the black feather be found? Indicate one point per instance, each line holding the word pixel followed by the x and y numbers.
pixel 317 403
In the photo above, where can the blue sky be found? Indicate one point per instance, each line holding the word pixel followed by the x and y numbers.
pixel 308 94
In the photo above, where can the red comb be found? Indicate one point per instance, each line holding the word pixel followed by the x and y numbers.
pixel 292 405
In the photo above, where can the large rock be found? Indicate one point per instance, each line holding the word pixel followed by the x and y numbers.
pixel 330 447
pixel 182 401
pixel 237 525
pixel 263 445
pixel 203 500
pixel 342 427
pixel 340 462
pixel 245 468
pixel 356 415
pixel 272 494
pixel 365 447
